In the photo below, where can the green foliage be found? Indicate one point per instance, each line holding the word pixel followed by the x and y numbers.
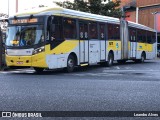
pixel 3 22
pixel 94 6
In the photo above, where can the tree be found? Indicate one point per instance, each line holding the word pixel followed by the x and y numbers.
pixel 100 7
pixel 79 5
pixel 3 23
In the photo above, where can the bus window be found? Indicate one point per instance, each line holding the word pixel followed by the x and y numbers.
pixel 83 31
pixel 116 35
pixel 58 34
pixel 93 31
pixel 153 37
pixel 110 31
pixel 69 28
pixel 158 38
pixel 144 36
pixel 113 32
pixel 132 35
pixel 141 36
pixel 102 31
pixel 24 35
pixel 149 37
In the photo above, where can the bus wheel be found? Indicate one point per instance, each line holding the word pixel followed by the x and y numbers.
pixel 121 61
pixel 110 60
pixel 38 70
pixel 70 64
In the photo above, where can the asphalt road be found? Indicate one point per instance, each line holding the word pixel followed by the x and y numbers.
pixel 128 87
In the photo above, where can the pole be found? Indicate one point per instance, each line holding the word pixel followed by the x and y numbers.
pixel 1 45
pixel 123 12
pixel 137 14
pixel 16 6
pixel 8 8
pixel 155 28
pixel 155 20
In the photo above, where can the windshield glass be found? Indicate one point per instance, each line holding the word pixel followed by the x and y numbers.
pixel 24 35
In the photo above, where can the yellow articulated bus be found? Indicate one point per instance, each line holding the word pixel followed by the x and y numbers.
pixel 51 38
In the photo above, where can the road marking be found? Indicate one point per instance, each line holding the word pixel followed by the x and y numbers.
pixel 104 73
pixel 93 74
pixel 128 68
pixel 20 71
pixel 132 70
pixel 117 67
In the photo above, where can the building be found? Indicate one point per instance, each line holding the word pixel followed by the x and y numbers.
pixel 146 12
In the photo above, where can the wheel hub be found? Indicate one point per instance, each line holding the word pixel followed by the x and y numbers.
pixel 70 63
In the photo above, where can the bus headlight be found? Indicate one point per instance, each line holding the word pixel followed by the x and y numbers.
pixel 38 50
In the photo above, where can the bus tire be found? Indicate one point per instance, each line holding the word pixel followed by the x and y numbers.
pixel 38 70
pixel 70 64
pixel 110 59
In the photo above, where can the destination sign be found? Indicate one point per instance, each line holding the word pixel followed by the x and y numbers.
pixel 33 20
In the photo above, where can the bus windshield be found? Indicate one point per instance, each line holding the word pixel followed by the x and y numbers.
pixel 24 35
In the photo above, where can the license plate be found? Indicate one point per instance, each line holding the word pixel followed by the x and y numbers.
pixel 19 62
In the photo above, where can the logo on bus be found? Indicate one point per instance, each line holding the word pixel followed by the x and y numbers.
pixel 110 43
pixel 140 47
pixel 117 46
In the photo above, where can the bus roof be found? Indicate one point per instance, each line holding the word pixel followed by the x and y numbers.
pixel 140 26
pixel 77 14
pixel 67 12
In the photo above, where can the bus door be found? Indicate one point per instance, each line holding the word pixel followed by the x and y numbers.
pixel 133 43
pixel 102 41
pixel 94 44
pixel 124 39
pixel 83 40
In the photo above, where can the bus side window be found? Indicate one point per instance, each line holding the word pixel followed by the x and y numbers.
pixel 141 35
pixel 102 31
pixel 83 31
pixel 117 32
pixel 153 37
pixel 149 37
pixel 113 32
pixel 93 33
pixel 132 34
pixel 110 31
pixel 58 33
pixel 144 39
pixel 70 28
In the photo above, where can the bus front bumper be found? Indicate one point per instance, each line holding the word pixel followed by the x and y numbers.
pixel 23 61
pixel 37 60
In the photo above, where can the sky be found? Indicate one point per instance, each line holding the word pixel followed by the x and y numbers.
pixel 23 5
